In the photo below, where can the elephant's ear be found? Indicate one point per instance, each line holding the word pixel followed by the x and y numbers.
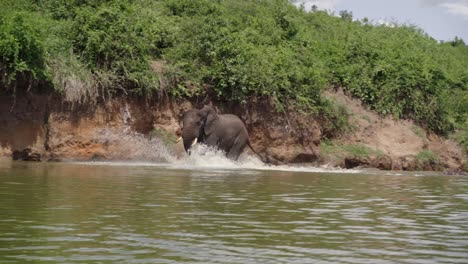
pixel 210 119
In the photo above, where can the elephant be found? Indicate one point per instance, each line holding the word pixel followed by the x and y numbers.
pixel 222 131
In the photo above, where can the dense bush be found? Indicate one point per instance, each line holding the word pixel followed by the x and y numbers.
pixel 242 49
pixel 394 71
pixel 235 50
pixel 21 49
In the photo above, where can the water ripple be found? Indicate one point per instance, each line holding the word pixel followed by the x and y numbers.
pixel 82 213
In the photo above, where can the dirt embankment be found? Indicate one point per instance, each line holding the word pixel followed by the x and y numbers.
pixel 44 128
pixel 391 144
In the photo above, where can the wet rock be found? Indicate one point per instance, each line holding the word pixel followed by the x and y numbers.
pixel 382 162
pixel 353 162
pixel 99 157
pixel 305 158
pixel 456 172
pixel 26 154
pixel 406 163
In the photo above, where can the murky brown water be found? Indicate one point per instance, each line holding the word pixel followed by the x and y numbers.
pixel 120 213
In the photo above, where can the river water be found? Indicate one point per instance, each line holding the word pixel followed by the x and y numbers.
pixel 228 213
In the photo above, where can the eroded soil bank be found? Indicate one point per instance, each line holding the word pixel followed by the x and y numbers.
pixel 44 128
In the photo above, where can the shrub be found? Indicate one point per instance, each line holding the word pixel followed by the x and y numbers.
pixel 21 49
pixel 358 150
pixel 426 158
pixel 235 50
pixel 110 39
pixel 334 119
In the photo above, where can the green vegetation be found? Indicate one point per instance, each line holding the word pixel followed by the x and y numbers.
pixel 419 132
pixel 328 147
pixel 233 50
pixel 426 158
pixel 22 53
pixel 334 118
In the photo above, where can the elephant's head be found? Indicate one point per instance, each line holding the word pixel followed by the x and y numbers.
pixel 196 125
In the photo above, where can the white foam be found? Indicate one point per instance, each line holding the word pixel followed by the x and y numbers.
pixel 134 147
pixel 203 157
pixel 129 148
pixel 206 158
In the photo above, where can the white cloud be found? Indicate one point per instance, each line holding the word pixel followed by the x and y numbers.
pixel 454 7
pixel 457 8
pixel 440 2
pixel 328 5
pixel 385 22
pixel 432 2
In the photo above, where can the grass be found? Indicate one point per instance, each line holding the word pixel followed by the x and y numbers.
pixel 71 78
pixel 335 119
pixel 361 150
pixel 426 156
pixel 354 150
pixel 367 118
pixel 419 132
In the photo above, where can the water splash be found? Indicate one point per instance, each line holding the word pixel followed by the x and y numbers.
pixel 204 157
pixel 139 150
pixel 127 145
pixel 126 118
pixel 133 146
pixel 135 149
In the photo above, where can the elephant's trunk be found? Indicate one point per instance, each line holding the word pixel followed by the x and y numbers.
pixel 188 143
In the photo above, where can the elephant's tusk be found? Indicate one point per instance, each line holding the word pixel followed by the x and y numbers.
pixel 179 139
pixel 194 141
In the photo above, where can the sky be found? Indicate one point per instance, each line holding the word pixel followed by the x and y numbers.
pixel 441 19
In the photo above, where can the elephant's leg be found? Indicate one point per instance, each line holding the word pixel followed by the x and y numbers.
pixel 238 146
pixel 212 140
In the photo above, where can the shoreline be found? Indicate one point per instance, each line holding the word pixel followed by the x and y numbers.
pixel 239 167
pixel 45 128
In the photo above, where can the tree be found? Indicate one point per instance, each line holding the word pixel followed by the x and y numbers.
pixel 346 15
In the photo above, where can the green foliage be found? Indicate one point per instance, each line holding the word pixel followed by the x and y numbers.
pixel 426 156
pixel 190 7
pixel 419 132
pixel 21 48
pixel 328 147
pixel 112 39
pixel 361 150
pixel 394 71
pixel 455 103
pixel 246 49
pixel 67 9
pixel 335 119
pixel 461 136
pixel 235 50
pixel 73 79
pixel 427 159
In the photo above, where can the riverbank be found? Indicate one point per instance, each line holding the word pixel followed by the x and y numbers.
pixel 81 78
pixel 45 128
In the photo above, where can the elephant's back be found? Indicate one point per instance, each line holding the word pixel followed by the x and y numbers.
pixel 231 117
pixel 233 122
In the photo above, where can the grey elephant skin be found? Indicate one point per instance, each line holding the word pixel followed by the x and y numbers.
pixel 223 131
